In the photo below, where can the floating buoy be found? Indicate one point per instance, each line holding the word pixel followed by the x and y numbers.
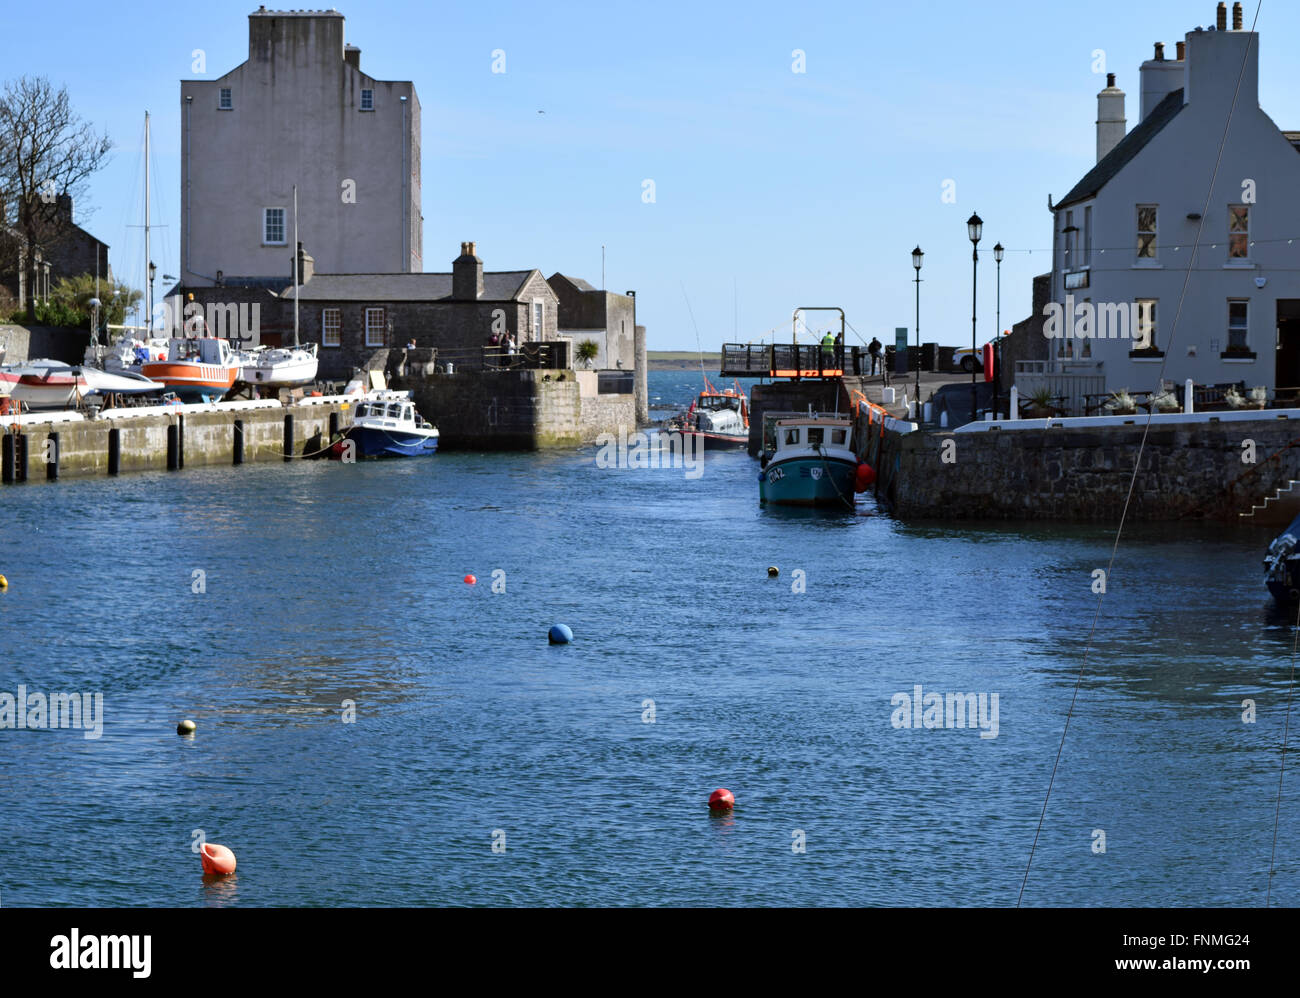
pixel 773 571
pixel 470 580
pixel 4 583
pixel 186 728
pixel 864 477
pixel 721 800
pixel 560 635
pixel 216 859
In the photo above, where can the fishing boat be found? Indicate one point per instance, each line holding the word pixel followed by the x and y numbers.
pixel 1282 565
pixel 808 460
pixel 720 419
pixel 196 369
pixel 278 367
pixel 52 384
pixel 125 354
pixel 385 424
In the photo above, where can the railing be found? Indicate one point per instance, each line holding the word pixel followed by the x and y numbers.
pixel 791 360
pixel 1069 392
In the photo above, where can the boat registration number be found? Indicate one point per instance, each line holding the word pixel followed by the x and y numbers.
pixel 775 474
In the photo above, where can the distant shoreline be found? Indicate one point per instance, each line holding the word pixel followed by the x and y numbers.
pixel 681 360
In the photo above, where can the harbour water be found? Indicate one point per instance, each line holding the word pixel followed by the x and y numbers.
pixel 327 583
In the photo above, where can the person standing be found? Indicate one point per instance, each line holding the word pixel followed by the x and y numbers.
pixel 873 348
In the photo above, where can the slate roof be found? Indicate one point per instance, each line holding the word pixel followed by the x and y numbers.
pixel 1125 150
pixel 503 285
pixel 577 282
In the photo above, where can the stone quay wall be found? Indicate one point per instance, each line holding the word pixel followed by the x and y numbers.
pixel 1187 471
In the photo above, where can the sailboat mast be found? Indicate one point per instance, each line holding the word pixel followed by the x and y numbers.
pixel 148 283
pixel 297 264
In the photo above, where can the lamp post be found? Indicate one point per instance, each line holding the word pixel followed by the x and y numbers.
pixel 917 254
pixel 153 272
pixel 974 229
pixel 997 333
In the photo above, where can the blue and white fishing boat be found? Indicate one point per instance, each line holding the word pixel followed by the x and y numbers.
pixel 808 461
pixel 385 424
pixel 1282 565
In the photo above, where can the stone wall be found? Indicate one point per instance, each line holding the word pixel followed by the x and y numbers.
pixel 1187 471
pixel 23 343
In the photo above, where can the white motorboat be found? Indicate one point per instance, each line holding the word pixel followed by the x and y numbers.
pixel 126 353
pixel 279 367
pixel 52 384
pixel 385 424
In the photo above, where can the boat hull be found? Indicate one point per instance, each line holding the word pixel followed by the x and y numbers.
pixel 376 442
pixel 201 382
pixel 718 441
pixel 808 481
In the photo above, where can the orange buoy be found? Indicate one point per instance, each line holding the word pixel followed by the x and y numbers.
pixel 864 477
pixel 721 800
pixel 470 580
pixel 216 859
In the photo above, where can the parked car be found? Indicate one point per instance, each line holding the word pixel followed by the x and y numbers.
pixel 969 360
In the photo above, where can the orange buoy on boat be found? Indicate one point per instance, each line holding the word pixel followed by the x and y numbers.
pixel 470 580
pixel 721 800
pixel 864 478
pixel 216 859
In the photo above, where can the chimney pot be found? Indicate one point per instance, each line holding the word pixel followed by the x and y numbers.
pixel 1221 16
pixel 1110 79
pixel 1236 17
pixel 1160 51
pixel 471 249
pixel 1182 51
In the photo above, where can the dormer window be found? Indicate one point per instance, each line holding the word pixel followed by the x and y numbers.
pixel 224 102
pixel 367 100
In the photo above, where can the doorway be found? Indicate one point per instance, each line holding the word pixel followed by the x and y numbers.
pixel 1287 373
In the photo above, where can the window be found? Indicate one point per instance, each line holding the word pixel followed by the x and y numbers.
pixel 375 327
pixel 1087 237
pixel 1144 336
pixel 1238 316
pixel 1071 242
pixel 331 325
pixel 273 226
pixel 1146 231
pixel 539 316
pixel 1238 231
pixel 224 103
pixel 367 100
pixel 837 436
pixel 791 436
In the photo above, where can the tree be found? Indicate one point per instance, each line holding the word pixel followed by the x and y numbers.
pixel 116 298
pixel 45 150
pixel 588 351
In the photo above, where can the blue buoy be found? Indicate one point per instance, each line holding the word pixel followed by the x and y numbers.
pixel 560 635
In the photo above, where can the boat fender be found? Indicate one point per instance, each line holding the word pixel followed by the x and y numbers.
pixel 864 478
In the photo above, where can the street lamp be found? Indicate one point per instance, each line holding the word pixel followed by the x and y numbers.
pixel 998 253
pixel 974 229
pixel 94 321
pixel 917 254
pixel 153 272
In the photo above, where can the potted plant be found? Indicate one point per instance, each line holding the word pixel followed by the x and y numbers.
pixel 1165 401
pixel 1040 403
pixel 587 351
pixel 1259 397
pixel 1234 398
pixel 1121 403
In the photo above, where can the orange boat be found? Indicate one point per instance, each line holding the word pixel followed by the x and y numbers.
pixel 196 369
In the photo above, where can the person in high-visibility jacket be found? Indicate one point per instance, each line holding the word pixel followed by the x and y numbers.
pixel 828 350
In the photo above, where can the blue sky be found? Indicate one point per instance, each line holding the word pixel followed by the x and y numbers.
pixel 790 188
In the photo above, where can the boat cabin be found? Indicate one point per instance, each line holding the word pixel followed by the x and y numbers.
pixel 807 434
pixel 204 350
pixel 391 412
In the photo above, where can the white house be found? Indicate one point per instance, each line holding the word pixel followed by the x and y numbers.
pixel 299 111
pixel 1125 235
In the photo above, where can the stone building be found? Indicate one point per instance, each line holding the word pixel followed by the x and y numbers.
pixel 67 251
pixel 605 318
pixel 353 315
pixel 299 111
pixel 1124 235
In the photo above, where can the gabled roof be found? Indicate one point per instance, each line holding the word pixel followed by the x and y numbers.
pixel 504 285
pixel 577 282
pixel 1125 150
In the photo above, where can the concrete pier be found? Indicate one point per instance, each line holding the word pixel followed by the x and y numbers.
pixel 49 445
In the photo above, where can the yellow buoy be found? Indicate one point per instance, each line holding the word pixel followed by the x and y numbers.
pixel 186 728
pixel 4 583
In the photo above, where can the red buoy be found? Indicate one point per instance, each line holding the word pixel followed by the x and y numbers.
pixel 470 580
pixel 863 479
pixel 721 800
pixel 216 859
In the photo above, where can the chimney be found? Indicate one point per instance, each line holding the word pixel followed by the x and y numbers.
pixel 1216 60
pixel 1236 17
pixel 1159 77
pixel 467 275
pixel 352 56
pixel 1160 52
pixel 1111 124
pixel 1182 50
pixel 1221 17
pixel 306 266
